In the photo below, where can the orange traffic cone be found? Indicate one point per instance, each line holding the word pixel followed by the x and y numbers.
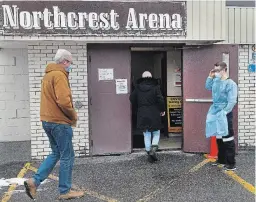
pixel 214 149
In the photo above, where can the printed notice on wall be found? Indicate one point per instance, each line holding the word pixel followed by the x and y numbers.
pixel 178 79
pixel 174 108
pixel 106 74
pixel 121 86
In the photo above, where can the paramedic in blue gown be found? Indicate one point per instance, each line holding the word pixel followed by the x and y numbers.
pixel 219 121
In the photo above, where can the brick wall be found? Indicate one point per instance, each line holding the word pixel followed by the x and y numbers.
pixel 14 96
pixel 246 99
pixel 40 54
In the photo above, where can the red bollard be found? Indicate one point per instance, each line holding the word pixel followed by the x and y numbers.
pixel 214 149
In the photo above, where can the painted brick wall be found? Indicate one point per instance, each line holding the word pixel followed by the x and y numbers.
pixel 14 96
pixel 246 99
pixel 39 55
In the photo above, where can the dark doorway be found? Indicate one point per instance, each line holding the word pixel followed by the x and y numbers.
pixel 156 63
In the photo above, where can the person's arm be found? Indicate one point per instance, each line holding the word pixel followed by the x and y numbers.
pixel 209 83
pixel 209 80
pixel 133 97
pixel 232 97
pixel 160 99
pixel 63 95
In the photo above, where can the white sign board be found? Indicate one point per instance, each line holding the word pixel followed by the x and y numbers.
pixel 177 79
pixel 106 74
pixel 121 86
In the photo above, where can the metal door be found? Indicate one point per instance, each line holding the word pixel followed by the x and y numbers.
pixel 196 99
pixel 110 114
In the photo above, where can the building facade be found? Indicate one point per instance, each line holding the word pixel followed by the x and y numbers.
pixel 112 43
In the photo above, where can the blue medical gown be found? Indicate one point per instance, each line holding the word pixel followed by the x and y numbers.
pixel 224 95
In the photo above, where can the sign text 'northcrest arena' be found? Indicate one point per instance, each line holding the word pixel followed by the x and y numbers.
pixel 93 18
pixel 82 20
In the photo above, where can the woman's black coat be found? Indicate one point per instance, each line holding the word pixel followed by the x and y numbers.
pixel 149 101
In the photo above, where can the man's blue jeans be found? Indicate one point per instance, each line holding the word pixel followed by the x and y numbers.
pixel 147 139
pixel 60 138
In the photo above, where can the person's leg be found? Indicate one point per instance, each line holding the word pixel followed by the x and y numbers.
pixel 63 135
pixel 49 163
pixel 230 154
pixel 147 140
pixel 46 167
pixel 229 144
pixel 156 138
pixel 221 152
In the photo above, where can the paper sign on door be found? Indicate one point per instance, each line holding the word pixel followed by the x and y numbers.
pixel 121 86
pixel 106 74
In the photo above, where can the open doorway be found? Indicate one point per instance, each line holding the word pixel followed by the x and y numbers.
pixel 161 67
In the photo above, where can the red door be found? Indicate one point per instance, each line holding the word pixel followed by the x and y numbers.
pixel 196 99
pixel 110 113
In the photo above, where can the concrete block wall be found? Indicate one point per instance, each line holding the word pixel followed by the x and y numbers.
pixel 39 55
pixel 14 96
pixel 246 99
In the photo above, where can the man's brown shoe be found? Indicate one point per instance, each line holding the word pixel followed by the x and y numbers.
pixel 30 188
pixel 71 195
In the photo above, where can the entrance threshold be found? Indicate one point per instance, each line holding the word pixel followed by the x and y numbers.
pixel 173 141
pixel 170 143
pixel 139 150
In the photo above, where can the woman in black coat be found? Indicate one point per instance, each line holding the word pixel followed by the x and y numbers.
pixel 149 101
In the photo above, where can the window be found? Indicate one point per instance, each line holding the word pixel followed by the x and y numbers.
pixel 244 3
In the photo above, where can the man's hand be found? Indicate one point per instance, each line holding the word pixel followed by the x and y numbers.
pixel 212 73
pixel 74 122
pixel 162 113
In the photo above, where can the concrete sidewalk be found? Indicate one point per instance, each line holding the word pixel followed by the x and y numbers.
pixel 130 178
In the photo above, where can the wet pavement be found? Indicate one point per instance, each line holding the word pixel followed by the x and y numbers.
pixel 130 178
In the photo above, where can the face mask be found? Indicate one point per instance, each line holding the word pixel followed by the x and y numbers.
pixel 217 75
pixel 68 68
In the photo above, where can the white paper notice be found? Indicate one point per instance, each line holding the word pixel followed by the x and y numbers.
pixel 121 86
pixel 106 74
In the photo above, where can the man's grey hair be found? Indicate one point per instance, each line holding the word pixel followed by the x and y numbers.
pixel 62 55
